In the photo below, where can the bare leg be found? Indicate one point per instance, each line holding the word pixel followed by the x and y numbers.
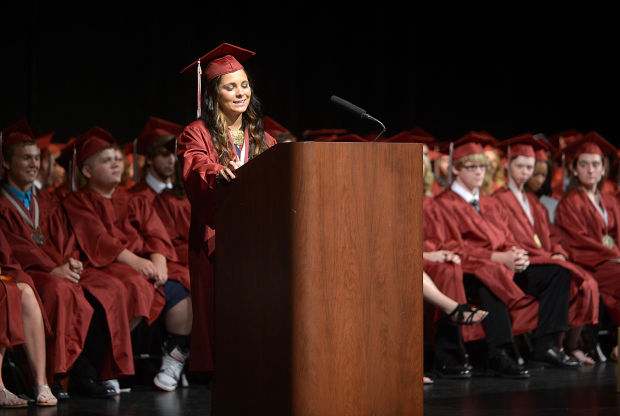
pixel 179 318
pixel 7 398
pixel 34 337
pixel 434 296
pixel 34 334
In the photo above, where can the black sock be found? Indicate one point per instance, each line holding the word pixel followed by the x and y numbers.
pixel 176 340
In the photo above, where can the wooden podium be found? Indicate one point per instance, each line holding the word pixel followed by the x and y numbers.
pixel 318 288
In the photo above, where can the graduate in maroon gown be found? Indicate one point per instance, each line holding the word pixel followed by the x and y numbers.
pixel 42 241
pixel 529 224
pixel 442 264
pixel 162 183
pixel 22 323
pixel 590 220
pixel 498 271
pixel 442 261
pixel 226 136
pixel 122 234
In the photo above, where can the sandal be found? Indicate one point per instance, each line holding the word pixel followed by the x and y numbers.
pixel 457 316
pixel 580 356
pixel 45 396
pixel 11 401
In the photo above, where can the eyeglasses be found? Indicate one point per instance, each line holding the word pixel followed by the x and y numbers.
pixel 471 168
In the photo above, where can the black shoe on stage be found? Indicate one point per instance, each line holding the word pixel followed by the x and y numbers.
pixel 87 386
pixel 59 391
pixel 448 366
pixel 555 357
pixel 502 364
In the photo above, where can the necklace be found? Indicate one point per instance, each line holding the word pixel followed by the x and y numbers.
pixel 238 137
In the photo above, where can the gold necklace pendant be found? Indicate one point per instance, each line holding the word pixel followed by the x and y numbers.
pixel 238 137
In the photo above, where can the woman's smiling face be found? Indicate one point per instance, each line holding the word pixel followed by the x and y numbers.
pixel 234 93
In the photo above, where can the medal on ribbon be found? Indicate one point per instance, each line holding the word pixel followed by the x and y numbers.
pixel 608 241
pixel 38 238
pixel 537 240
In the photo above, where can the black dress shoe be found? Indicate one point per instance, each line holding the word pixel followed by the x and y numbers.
pixel 458 372
pixel 447 365
pixel 59 391
pixel 92 388
pixel 503 365
pixel 555 357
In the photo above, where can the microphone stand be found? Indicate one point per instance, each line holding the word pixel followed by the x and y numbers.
pixel 369 117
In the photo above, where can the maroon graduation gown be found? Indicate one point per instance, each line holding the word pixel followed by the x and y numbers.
pixel 200 165
pixel 11 329
pixel 448 277
pixel 583 229
pixel 110 292
pixel 106 226
pixel 64 303
pixel 584 295
pixel 174 213
pixel 480 236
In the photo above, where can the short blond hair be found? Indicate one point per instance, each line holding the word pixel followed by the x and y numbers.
pixel 474 158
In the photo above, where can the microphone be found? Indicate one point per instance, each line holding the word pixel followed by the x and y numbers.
pixel 357 111
pixel 348 106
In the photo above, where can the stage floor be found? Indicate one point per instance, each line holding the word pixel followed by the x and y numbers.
pixel 584 391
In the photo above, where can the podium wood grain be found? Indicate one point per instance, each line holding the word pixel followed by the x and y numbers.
pixel 319 282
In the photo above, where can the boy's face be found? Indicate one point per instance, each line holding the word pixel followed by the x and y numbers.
pixel 24 165
pixel 470 175
pixel 162 165
pixel 106 168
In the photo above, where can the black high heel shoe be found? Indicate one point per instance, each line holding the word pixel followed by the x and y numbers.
pixel 457 316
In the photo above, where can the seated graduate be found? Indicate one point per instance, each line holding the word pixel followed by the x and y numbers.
pixel 498 271
pixel 121 234
pixel 529 223
pixel 23 324
pixel 590 220
pixel 560 172
pixel 162 183
pixel 442 265
pixel 540 183
pixel 86 308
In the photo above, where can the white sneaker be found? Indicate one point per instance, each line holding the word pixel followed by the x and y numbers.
pixel 113 384
pixel 172 364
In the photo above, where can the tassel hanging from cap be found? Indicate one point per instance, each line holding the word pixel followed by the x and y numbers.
pixel 199 74
pixel 73 168
pixel 136 174
pixel 449 175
